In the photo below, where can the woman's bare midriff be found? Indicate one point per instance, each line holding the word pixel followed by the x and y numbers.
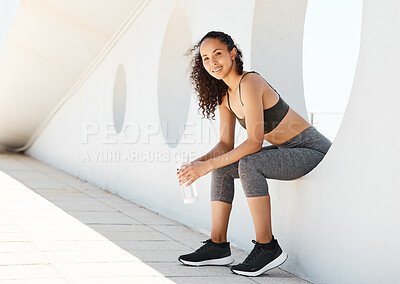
pixel 291 125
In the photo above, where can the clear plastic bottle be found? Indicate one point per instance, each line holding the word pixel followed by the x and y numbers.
pixel 189 192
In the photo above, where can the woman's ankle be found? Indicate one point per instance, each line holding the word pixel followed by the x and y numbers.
pixel 265 238
pixel 218 239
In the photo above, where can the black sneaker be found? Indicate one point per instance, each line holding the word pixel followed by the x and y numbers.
pixel 209 254
pixel 261 259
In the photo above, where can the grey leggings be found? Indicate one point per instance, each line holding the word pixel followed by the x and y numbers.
pixel 287 161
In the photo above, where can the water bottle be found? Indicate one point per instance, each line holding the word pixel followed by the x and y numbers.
pixel 189 192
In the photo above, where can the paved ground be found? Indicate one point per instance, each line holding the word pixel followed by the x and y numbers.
pixel 55 228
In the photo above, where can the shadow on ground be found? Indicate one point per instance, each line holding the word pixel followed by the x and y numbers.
pixel 156 240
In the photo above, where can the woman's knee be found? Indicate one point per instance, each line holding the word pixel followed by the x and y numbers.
pixel 228 170
pixel 219 172
pixel 222 183
pixel 222 190
pixel 246 165
pixel 253 182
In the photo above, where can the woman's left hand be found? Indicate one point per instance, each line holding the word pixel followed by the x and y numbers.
pixel 193 171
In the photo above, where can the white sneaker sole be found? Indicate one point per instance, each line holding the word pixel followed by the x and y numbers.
pixel 219 261
pixel 275 263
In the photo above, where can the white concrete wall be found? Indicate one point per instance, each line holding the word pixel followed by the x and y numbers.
pixel 8 9
pixel 277 48
pixel 51 47
pixel 338 224
pixel 151 183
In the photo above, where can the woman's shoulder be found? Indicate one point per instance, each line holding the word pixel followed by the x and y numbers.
pixel 250 73
pixel 251 80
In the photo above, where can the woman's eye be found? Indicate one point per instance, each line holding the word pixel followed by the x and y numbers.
pixel 218 53
pixel 205 59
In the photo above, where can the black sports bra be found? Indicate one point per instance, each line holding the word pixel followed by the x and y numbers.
pixel 272 116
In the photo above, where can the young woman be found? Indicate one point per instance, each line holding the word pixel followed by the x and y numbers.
pixel 297 147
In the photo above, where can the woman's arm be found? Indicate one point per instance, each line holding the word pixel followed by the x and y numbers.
pixel 244 149
pixel 218 150
pixel 253 110
pixel 226 143
pixel 226 133
pixel 251 88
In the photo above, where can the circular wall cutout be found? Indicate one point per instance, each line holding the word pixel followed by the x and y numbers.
pixel 119 98
pixel 276 48
pixel 332 34
pixel 174 90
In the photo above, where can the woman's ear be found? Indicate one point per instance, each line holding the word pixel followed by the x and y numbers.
pixel 233 53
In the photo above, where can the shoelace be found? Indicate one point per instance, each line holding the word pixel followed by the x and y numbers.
pixel 206 245
pixel 254 253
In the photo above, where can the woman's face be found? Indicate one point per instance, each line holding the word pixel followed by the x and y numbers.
pixel 217 60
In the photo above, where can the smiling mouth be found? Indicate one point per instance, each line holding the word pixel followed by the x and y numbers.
pixel 217 70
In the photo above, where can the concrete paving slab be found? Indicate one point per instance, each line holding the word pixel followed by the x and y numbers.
pixel 5 220
pixel 26 160
pixel 150 245
pixel 115 201
pixel 28 202
pixel 211 280
pixel 35 179
pixel 36 281
pixel 17 247
pixel 76 227
pixel 9 229
pixel 15 194
pixel 87 205
pixel 108 269
pixel 120 280
pixel 79 256
pixel 102 217
pixel 150 218
pixel 82 245
pixel 277 276
pixel 176 269
pixel 27 272
pixel 6 182
pixel 12 237
pixel 70 180
pixel 59 192
pixel 53 198
pixel 55 228
pixel 18 258
pixel 62 235
pixel 136 236
pixel 9 163
pixel 85 186
pixel 120 228
pixel 181 233
pixel 150 256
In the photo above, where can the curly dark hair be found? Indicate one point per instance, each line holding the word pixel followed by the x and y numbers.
pixel 210 90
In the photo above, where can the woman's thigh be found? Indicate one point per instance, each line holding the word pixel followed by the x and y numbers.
pixel 231 170
pixel 282 164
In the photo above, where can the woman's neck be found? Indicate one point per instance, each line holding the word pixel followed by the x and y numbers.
pixel 232 80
